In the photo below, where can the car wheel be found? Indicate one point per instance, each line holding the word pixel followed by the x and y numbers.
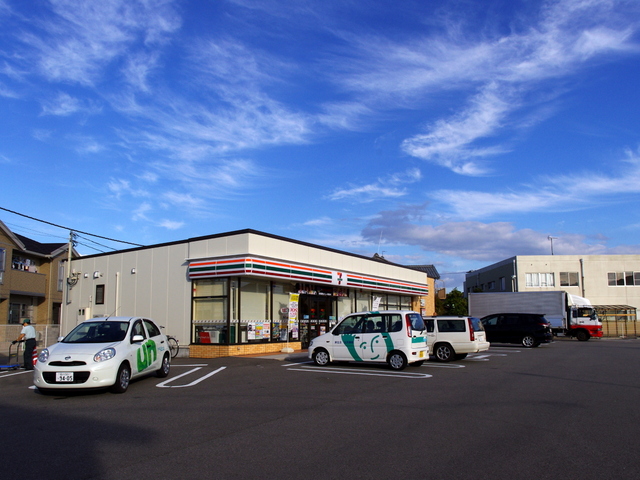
pixel 461 356
pixel 122 379
pixel 528 341
pixel 321 357
pixel 397 361
pixel 165 367
pixel 444 352
pixel 583 336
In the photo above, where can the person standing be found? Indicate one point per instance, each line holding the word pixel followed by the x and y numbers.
pixel 28 334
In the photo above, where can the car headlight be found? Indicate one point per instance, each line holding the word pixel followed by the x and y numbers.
pixel 105 354
pixel 44 356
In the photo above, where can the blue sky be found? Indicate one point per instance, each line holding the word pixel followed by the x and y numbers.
pixel 452 133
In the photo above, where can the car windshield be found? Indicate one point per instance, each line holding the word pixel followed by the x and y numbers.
pixel 98 332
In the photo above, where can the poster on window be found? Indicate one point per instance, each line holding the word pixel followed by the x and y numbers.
pixel 258 330
pixel 376 303
pixel 293 315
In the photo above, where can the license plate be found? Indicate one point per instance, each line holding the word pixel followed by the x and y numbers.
pixel 64 377
pixel 421 354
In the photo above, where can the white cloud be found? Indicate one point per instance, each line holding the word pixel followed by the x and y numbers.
pixel 84 37
pixel 475 240
pixel 384 187
pixel 550 194
pixel 141 212
pixel 499 76
pixel 171 225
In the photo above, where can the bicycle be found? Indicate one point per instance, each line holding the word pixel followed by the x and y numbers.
pixel 174 346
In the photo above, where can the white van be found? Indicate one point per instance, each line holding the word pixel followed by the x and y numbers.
pixel 397 337
pixel 452 338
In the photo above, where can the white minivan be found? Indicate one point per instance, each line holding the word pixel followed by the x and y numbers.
pixel 452 338
pixel 397 337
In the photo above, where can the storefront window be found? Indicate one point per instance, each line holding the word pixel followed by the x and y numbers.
pixel 280 310
pixel 210 307
pixel 344 308
pixel 363 301
pixel 393 302
pixel 255 325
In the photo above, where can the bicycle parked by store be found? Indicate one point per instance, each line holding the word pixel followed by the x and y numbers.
pixel 174 346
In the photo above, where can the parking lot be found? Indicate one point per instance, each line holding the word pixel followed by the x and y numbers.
pixel 564 410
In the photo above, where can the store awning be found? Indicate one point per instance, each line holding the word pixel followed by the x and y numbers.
pixel 270 268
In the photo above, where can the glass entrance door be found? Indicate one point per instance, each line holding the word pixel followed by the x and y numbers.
pixel 314 311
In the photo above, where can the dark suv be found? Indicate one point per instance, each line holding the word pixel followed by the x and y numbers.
pixel 528 329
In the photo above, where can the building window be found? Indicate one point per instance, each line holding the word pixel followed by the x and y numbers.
pixel 503 284
pixel 100 294
pixel 363 301
pixel 61 267
pixel 569 279
pixel 280 309
pixel 540 280
pixel 18 262
pixel 255 325
pixel 492 285
pixel 3 255
pixel 210 311
pixel 623 279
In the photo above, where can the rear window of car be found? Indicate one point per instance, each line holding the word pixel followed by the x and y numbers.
pixel 477 324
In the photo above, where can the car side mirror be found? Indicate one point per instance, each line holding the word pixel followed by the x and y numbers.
pixel 137 339
pixel 60 339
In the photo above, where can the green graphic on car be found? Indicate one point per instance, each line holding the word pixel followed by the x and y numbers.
pixel 349 341
pixel 145 354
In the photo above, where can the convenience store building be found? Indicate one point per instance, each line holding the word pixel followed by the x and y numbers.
pixel 240 292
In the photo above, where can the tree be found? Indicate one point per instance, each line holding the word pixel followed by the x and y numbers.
pixel 453 304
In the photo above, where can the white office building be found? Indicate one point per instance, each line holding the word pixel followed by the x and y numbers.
pixel 610 282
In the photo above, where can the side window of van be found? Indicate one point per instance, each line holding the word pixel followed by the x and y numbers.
pixel 430 325
pixel 510 320
pixel 491 321
pixel 394 323
pixel 451 325
pixel 349 325
pixel 375 324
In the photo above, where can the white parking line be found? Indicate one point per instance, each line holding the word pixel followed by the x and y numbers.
pixel 442 365
pixel 3 374
pixel 195 382
pixel 353 371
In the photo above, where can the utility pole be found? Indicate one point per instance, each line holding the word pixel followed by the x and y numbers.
pixel 551 240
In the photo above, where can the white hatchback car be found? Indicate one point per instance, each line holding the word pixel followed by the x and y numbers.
pixel 452 338
pixel 104 352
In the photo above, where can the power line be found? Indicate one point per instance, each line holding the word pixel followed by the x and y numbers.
pixel 67 228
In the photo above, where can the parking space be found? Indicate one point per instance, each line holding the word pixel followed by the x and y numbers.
pixel 187 374
pixel 212 415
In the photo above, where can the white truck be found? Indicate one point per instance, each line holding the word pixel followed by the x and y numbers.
pixel 569 315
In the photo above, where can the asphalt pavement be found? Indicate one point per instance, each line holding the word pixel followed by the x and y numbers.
pixel 561 411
